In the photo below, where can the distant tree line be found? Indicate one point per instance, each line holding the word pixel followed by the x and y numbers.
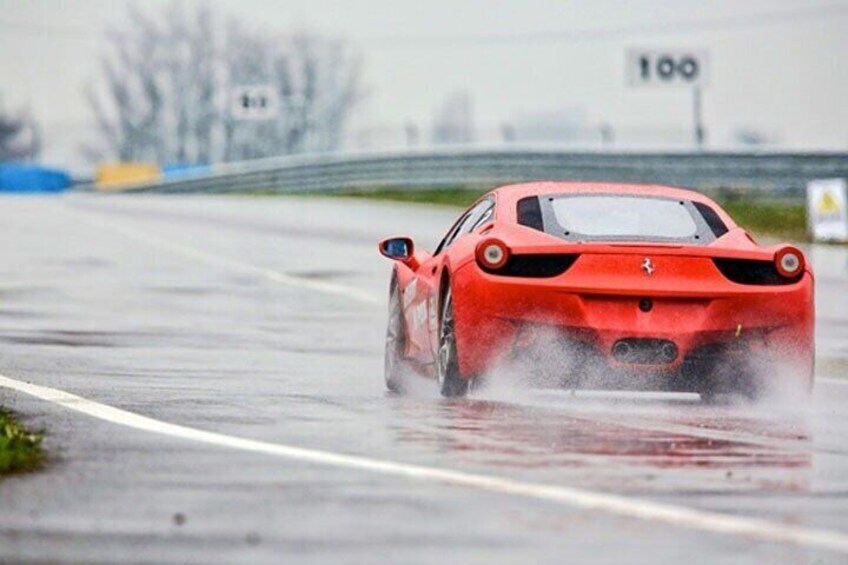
pixel 166 83
pixel 20 137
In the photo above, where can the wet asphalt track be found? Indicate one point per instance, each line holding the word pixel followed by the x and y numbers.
pixel 209 312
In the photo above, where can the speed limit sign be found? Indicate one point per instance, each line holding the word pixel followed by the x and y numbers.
pixel 667 67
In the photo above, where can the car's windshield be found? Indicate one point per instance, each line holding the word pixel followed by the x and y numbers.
pixel 615 216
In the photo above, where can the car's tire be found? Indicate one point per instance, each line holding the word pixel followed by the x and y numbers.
pixel 451 383
pixel 395 366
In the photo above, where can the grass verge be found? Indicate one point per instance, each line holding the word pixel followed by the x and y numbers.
pixel 20 449
pixel 460 197
pixel 775 219
pixel 769 218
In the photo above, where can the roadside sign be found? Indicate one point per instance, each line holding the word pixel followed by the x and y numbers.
pixel 827 211
pixel 667 67
pixel 254 102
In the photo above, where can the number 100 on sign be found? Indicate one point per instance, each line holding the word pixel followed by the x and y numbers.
pixel 667 67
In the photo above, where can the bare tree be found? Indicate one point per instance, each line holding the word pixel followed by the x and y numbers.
pixel 247 62
pixel 317 82
pixel 129 113
pixel 20 138
pixel 167 82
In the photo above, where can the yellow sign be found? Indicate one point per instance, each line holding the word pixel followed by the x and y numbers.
pixel 115 176
pixel 827 204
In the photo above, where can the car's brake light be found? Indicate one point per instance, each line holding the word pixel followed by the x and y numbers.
pixel 789 262
pixel 492 254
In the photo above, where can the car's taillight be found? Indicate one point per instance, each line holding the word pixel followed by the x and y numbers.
pixel 492 254
pixel 789 262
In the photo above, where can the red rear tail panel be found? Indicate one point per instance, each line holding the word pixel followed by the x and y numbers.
pixel 621 293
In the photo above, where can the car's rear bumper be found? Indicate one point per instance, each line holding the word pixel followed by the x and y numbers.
pixel 499 317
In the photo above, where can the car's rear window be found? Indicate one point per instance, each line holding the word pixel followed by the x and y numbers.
pixel 622 217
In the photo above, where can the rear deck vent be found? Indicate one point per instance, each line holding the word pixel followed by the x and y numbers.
pixel 535 266
pixel 529 213
pixel 711 217
pixel 752 272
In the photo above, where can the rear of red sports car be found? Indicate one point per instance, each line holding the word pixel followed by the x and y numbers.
pixel 631 287
pixel 603 286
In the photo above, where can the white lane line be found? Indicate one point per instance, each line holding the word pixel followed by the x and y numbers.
pixel 233 264
pixel 617 505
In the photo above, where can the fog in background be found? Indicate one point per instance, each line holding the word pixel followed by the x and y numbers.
pixel 779 71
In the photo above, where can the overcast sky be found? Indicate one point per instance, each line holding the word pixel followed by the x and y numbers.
pixel 783 72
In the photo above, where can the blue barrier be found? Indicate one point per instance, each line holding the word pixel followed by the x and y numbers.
pixel 32 178
pixel 183 170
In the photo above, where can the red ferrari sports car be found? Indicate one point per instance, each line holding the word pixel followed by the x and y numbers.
pixel 603 286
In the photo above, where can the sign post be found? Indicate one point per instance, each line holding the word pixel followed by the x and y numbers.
pixel 673 68
pixel 827 209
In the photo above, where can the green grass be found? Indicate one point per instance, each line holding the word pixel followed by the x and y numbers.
pixel 784 220
pixel 20 449
pixel 461 197
pixel 769 218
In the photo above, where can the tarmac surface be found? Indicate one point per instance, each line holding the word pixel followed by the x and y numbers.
pixel 262 320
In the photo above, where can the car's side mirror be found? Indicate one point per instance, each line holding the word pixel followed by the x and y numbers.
pixel 397 248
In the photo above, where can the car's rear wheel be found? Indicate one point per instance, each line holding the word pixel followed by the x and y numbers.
pixel 395 365
pixel 451 383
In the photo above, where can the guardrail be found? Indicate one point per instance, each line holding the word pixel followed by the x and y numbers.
pixel 772 174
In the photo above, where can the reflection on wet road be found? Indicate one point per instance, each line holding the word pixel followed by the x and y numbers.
pixel 607 446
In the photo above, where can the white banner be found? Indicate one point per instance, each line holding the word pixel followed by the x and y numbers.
pixel 827 212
